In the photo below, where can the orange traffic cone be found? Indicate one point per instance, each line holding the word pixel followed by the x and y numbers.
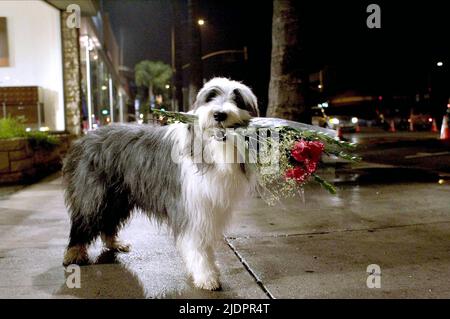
pixel 434 128
pixel 445 131
pixel 339 134
pixel 392 126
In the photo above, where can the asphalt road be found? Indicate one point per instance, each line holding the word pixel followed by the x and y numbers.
pixel 422 150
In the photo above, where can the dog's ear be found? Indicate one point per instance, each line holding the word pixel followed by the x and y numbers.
pixel 211 94
pixel 206 95
pixel 246 100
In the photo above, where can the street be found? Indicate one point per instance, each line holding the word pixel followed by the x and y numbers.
pixel 316 248
pixel 421 150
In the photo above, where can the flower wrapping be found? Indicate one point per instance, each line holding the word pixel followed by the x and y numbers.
pixel 283 154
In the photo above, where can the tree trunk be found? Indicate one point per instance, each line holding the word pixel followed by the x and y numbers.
pixel 289 79
pixel 195 69
pixel 177 77
pixel 150 99
pixel 150 95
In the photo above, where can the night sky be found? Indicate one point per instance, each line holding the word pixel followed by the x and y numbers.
pixel 397 58
pixel 143 27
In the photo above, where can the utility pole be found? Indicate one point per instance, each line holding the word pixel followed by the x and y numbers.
pixel 177 77
pixel 195 50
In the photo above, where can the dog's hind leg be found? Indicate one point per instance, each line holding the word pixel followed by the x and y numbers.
pixel 76 254
pixel 116 214
pixel 111 242
pixel 87 225
pixel 80 237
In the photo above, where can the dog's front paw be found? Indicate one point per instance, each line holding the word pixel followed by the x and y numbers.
pixel 207 282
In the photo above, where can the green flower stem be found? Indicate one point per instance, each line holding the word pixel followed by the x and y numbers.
pixel 329 187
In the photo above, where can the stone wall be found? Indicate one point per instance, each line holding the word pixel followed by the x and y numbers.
pixel 20 163
pixel 72 77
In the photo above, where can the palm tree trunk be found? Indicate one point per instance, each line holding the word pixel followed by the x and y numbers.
pixel 150 99
pixel 288 79
pixel 195 69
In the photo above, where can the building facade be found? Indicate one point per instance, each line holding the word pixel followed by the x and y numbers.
pixel 67 50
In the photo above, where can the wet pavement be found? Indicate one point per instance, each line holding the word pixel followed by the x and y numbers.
pixel 33 234
pixel 421 150
pixel 376 135
pixel 316 248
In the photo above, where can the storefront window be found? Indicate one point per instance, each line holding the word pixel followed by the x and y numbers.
pixel 100 95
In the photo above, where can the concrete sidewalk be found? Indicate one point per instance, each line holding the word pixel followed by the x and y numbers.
pixel 319 248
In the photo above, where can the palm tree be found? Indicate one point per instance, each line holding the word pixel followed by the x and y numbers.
pixel 288 79
pixel 154 75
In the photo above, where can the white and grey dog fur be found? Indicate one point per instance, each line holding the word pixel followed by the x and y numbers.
pixel 117 169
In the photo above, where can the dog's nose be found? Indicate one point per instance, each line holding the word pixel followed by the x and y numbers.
pixel 220 116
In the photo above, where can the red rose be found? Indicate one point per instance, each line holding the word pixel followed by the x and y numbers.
pixel 311 166
pixel 307 150
pixel 297 173
pixel 307 154
pixel 315 150
pixel 298 151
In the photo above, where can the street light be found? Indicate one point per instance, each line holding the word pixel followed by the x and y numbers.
pixel 440 63
pixel 201 22
pixel 220 52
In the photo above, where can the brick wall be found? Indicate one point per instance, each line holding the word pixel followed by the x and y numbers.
pixel 20 163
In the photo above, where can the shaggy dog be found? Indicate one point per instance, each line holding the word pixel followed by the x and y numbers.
pixel 117 169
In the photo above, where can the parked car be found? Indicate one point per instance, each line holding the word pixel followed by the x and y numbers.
pixel 421 122
pixel 339 117
pixel 345 122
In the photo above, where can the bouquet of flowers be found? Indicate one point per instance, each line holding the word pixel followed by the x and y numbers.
pixel 284 154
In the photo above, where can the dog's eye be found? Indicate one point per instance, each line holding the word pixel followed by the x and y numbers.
pixel 239 100
pixel 211 95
